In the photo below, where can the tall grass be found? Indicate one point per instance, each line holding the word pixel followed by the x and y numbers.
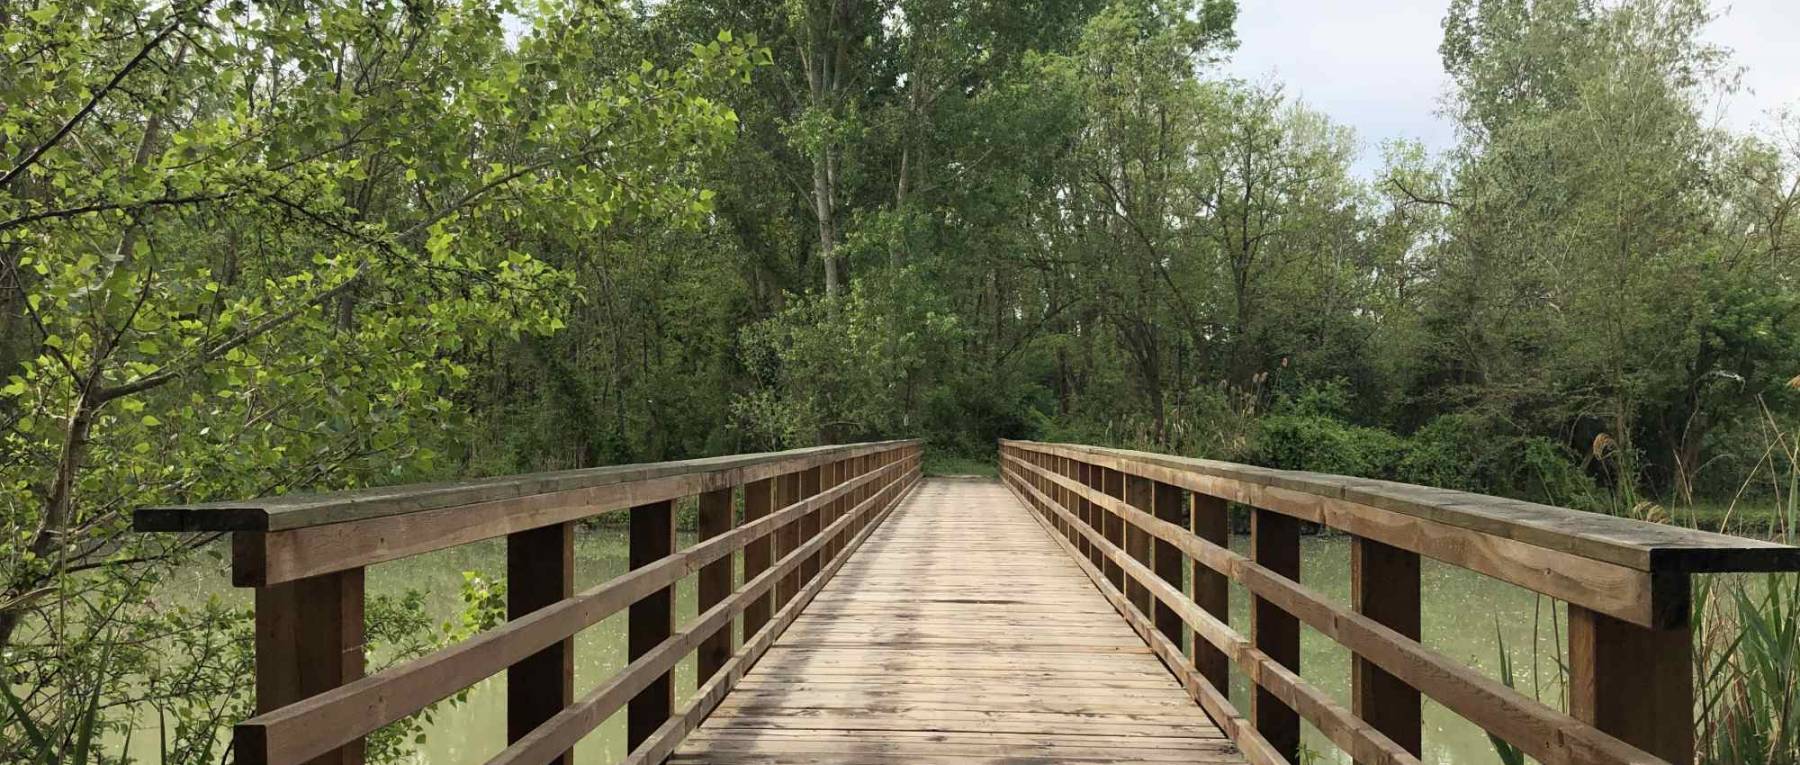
pixel 1746 630
pixel 1747 635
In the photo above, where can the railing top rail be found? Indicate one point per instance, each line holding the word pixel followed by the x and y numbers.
pixel 1635 544
pixel 295 511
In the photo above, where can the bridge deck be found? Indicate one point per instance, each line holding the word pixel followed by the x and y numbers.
pixel 960 632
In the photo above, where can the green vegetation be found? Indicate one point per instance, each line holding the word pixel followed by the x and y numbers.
pixel 250 248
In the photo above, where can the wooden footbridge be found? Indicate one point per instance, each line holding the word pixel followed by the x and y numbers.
pixel 1076 611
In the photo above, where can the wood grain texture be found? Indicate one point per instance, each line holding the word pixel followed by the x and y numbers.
pixel 1620 541
pixel 1363 742
pixel 650 620
pixel 717 513
pixel 1384 586
pixel 302 510
pixel 958 632
pixel 309 640
pixel 540 570
pixel 1548 735
pixel 1634 683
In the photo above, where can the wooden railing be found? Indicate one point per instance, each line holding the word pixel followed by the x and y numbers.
pixel 1135 520
pixel 804 512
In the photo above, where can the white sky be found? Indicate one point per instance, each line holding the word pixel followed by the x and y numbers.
pixel 1373 64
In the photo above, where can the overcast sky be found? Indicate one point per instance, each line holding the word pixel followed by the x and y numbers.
pixel 1373 64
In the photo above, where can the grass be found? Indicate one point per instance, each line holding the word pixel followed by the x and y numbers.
pixel 1762 520
pixel 956 464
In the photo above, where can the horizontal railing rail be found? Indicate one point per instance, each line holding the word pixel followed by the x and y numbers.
pixel 1139 523
pixel 804 512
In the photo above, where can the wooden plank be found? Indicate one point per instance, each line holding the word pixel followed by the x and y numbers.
pixel 759 500
pixel 1621 541
pixel 957 620
pixel 293 511
pixel 1275 545
pixel 309 640
pixel 1362 741
pixel 1634 683
pixel 1384 586
pixel 716 516
pixel 1207 519
pixel 1171 506
pixel 811 481
pixel 650 620
pixel 788 538
pixel 588 713
pixel 540 570
pixel 1613 589
pixel 1546 734
pixel 1139 493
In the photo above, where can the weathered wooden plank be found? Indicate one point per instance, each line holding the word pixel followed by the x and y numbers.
pixel 540 571
pixel 717 514
pixel 593 709
pixel 650 620
pixel 958 617
pixel 1633 682
pixel 309 640
pixel 1623 592
pixel 1275 546
pixel 1544 733
pixel 1622 541
pixel 1207 520
pixel 301 510
pixel 1384 586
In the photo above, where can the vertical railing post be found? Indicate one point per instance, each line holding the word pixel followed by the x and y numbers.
pixel 787 540
pixel 650 620
pixel 1140 493
pixel 759 501
pixel 811 481
pixel 1384 586
pixel 1275 544
pixel 1171 506
pixel 309 639
pixel 1114 482
pixel 540 570
pixel 1208 520
pixel 717 515
pixel 1097 517
pixel 1637 683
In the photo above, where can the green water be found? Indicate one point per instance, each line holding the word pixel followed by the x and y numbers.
pixel 1461 614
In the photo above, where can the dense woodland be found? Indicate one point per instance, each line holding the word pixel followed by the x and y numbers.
pixel 256 247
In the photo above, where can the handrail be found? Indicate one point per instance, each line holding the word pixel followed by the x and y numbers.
pixel 1133 520
pixel 804 512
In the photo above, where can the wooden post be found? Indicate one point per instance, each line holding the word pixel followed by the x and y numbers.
pixel 540 570
pixel 811 480
pixel 1384 586
pixel 650 620
pixel 1637 683
pixel 309 639
pixel 1212 590
pixel 787 539
pixel 1171 506
pixel 1114 482
pixel 1275 544
pixel 1091 475
pixel 716 517
pixel 1139 493
pixel 759 498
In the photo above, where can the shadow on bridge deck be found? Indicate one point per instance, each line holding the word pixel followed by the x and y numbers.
pixel 959 632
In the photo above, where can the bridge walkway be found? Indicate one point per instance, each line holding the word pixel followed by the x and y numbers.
pixel 959 632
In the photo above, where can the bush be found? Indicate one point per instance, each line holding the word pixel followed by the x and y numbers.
pixel 1325 444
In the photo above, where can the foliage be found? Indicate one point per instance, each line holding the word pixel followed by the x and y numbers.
pixel 253 249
